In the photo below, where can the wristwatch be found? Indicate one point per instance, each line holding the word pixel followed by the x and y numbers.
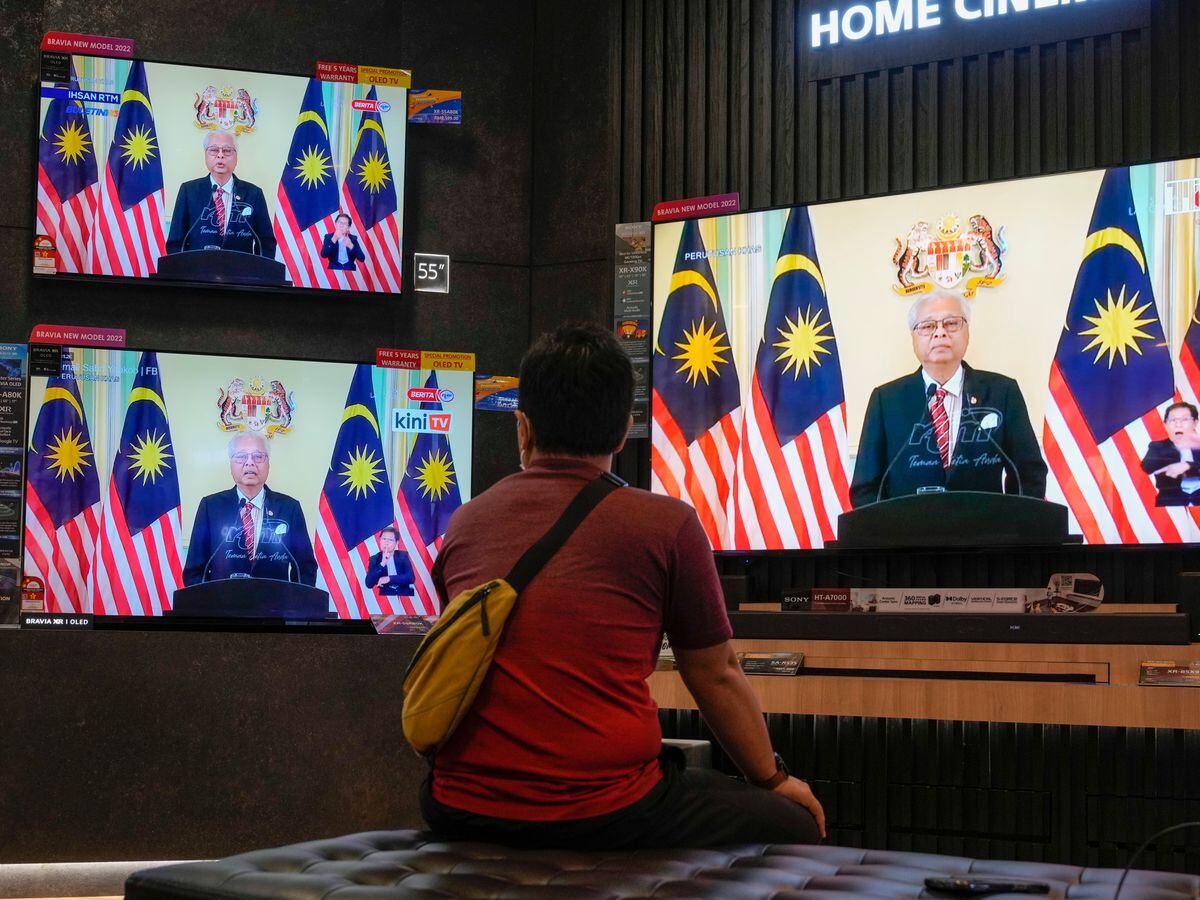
pixel 781 775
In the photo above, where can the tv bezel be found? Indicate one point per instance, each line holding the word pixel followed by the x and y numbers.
pixel 185 623
pixel 905 548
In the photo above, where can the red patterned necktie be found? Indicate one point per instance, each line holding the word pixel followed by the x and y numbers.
pixel 219 203
pixel 248 526
pixel 941 426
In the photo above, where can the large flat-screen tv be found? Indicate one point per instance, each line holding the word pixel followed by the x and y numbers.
pixel 192 174
pixel 1027 336
pixel 151 472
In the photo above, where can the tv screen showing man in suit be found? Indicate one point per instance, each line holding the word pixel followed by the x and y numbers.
pixel 221 176
pixel 1054 324
pixel 150 473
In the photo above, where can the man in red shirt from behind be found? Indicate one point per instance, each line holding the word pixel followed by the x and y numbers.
pixel 562 746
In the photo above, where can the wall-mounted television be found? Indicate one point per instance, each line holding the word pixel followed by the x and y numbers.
pixel 206 175
pixel 148 473
pixel 1029 336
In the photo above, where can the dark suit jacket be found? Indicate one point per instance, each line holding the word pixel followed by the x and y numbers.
pixel 218 526
pixel 898 426
pixel 1170 490
pixel 195 199
pixel 329 250
pixel 402 583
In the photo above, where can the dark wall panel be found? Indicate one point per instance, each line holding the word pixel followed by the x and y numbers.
pixel 141 745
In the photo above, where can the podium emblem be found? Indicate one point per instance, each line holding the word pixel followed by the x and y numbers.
pixel 256 407
pixel 948 254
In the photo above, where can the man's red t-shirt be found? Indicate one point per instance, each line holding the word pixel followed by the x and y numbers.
pixel 564 726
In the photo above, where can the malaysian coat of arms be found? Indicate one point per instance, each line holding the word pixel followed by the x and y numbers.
pixel 946 255
pixel 253 406
pixel 226 109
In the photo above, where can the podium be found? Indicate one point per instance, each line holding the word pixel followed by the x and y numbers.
pixel 954 519
pixel 251 598
pixel 221 267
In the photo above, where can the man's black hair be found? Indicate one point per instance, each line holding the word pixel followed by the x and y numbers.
pixel 1182 405
pixel 577 390
pixel 345 216
pixel 393 529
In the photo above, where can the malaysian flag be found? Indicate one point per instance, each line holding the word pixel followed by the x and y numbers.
pixel 371 200
pixel 66 196
pixel 791 480
pixel 128 236
pixel 1189 359
pixel 355 504
pixel 427 497
pixel 138 568
pixel 62 498
pixel 308 197
pixel 697 395
pixel 1109 382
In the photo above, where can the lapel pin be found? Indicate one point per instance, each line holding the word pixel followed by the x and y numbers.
pixel 974 400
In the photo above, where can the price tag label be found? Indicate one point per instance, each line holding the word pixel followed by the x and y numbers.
pixel 769 663
pixel 431 273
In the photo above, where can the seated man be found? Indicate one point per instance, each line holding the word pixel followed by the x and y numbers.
pixel 1175 462
pixel 562 745
pixel 390 569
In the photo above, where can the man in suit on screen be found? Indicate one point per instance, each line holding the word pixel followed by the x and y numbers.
pixel 220 210
pixel 341 249
pixel 943 427
pixel 1175 462
pixel 390 570
pixel 249 531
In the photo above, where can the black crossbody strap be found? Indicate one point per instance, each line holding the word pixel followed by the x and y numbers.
pixel 532 561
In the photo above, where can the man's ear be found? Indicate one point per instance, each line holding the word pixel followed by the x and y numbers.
pixel 621 446
pixel 524 431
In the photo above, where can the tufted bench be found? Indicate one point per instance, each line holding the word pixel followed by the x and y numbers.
pixel 380 864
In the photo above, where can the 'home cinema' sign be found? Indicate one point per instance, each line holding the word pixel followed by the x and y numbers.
pixel 850 36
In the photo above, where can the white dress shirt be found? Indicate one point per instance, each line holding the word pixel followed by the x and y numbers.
pixel 256 512
pixel 952 402
pixel 226 197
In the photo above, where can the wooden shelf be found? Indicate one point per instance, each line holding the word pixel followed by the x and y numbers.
pixel 958 686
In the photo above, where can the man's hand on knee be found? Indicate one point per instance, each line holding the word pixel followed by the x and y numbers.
pixel 799 792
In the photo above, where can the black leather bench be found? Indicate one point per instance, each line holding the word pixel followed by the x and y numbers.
pixel 380 864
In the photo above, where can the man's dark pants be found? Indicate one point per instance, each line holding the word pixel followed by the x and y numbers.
pixel 689 808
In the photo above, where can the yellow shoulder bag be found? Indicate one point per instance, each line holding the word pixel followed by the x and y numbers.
pixel 452 661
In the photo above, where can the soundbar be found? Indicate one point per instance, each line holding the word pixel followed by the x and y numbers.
pixel 982 628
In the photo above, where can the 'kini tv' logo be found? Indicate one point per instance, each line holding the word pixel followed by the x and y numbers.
pixel 430 395
pixel 421 421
